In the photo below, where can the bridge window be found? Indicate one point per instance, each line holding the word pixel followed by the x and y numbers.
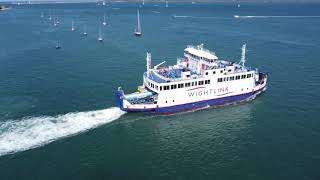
pixel 237 77
pixel 200 83
pixel 180 85
pixel 187 84
pixel 165 87
pixel 174 86
pixel 243 76
pixel 231 78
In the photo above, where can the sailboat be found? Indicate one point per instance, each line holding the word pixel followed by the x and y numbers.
pixel 57 20
pixel 167 4
pixel 54 21
pixel 58 46
pixel 72 26
pixel 104 20
pixel 100 36
pixel 239 5
pixel 137 31
pixel 42 15
pixel 50 18
pixel 85 30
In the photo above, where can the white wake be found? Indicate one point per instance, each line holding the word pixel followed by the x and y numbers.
pixel 28 133
pixel 247 17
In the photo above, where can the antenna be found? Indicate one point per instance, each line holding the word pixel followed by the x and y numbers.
pixel 148 63
pixel 243 55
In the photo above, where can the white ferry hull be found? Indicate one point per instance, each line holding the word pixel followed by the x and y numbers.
pixel 189 106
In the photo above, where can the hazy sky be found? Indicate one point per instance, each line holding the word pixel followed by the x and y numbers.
pixel 278 1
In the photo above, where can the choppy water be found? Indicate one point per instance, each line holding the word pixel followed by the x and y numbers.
pixel 57 114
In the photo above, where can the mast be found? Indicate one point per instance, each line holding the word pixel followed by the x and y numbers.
pixel 72 26
pixel 100 35
pixel 148 63
pixel 138 23
pixel 84 29
pixel 243 55
pixel 104 20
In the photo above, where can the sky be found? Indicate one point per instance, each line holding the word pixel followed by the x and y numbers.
pixel 275 1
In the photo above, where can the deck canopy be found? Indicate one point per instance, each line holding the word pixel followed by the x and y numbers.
pixel 201 53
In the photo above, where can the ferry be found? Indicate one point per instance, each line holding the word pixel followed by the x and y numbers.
pixel 197 81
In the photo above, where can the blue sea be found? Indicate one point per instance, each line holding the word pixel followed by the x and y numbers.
pixel 59 120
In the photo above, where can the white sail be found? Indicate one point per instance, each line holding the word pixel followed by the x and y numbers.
pixel 138 29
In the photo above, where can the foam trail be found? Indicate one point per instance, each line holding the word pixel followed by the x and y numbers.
pixel 246 17
pixel 28 133
pixel 198 17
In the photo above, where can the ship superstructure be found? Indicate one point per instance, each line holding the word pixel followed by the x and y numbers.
pixel 198 80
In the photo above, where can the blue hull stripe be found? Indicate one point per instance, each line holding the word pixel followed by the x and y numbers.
pixel 195 105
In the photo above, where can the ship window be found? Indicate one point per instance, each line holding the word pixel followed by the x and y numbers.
pixel 160 88
pixel 214 72
pixel 166 101
pixel 196 83
pixel 237 77
pixel 231 78
pixel 243 76
pixel 165 87
pixel 207 73
pixel 221 71
pixel 173 86
pixel 248 75
pixel 180 85
pixel 229 70
pixel 224 79
pixel 172 100
pixel 200 82
pixel 219 79
pixel 207 82
pixel 187 84
pixel 188 75
pixel 156 87
pixel 192 84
